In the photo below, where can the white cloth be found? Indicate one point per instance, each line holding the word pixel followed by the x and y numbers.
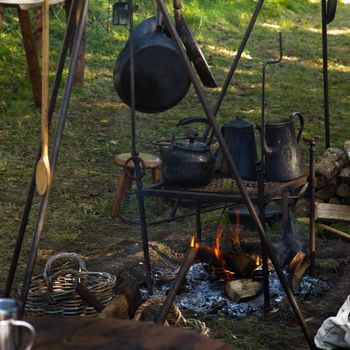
pixel 26 4
pixel 335 331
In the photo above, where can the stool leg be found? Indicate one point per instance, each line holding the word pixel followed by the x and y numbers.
pixel 79 72
pixel 31 54
pixel 159 200
pixel 119 193
pixel 38 30
pixel 2 10
pixel 128 186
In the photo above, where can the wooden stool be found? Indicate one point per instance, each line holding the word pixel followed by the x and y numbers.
pixel 151 162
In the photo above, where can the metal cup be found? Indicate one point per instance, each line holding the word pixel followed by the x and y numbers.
pixel 7 341
pixel 9 332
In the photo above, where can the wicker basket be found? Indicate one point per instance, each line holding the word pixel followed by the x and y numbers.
pixel 54 293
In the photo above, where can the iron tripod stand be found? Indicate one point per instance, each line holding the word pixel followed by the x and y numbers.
pixel 232 167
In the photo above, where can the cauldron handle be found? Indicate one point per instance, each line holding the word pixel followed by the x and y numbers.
pixel 301 120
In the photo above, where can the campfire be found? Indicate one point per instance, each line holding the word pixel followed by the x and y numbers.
pixel 227 276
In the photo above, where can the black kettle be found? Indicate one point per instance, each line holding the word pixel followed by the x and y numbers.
pixel 186 161
pixel 283 161
pixel 239 137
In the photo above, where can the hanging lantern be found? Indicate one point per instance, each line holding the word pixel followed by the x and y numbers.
pixel 120 13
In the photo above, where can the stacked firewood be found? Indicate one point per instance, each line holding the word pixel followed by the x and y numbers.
pixel 333 186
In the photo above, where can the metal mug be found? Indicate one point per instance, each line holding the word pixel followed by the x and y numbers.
pixel 9 335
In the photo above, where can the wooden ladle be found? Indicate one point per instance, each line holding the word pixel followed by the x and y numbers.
pixel 43 173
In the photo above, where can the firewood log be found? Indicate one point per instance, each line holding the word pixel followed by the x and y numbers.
pixel 297 268
pixel 130 288
pixel 347 148
pixel 343 190
pixel 334 200
pixel 330 164
pixel 242 289
pixel 325 193
pixel 346 200
pixel 295 262
pixel 302 207
pixel 332 212
pixel 117 308
pixel 344 175
pixel 240 263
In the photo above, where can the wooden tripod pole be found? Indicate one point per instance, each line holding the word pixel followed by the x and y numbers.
pixel 43 173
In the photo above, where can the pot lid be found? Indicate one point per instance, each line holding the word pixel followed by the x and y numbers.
pixel 191 144
pixel 238 123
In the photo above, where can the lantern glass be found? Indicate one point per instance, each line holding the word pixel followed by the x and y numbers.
pixel 120 13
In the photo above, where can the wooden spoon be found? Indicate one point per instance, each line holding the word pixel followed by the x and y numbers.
pixel 43 173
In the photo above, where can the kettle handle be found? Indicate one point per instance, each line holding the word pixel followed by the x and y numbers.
pixel 190 120
pixel 301 120
pixel 187 121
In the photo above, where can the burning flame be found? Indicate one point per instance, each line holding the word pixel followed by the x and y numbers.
pixel 217 253
pixel 258 260
pixel 218 236
pixel 193 243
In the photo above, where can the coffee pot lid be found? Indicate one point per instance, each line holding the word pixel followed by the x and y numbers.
pixel 238 123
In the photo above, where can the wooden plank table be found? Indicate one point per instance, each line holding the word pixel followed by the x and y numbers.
pixel 93 333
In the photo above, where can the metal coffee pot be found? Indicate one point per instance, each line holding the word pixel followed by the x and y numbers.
pixel 283 160
pixel 239 137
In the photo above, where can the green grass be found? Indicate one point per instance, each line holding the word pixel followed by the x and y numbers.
pixel 98 123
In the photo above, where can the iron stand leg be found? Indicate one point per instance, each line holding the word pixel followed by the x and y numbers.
pixel 232 167
pixel 144 235
pixel 264 255
pixel 198 222
pixel 136 158
pixel 285 216
pixel 235 63
pixel 325 74
pixel 31 190
pixel 39 226
pixel 312 230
